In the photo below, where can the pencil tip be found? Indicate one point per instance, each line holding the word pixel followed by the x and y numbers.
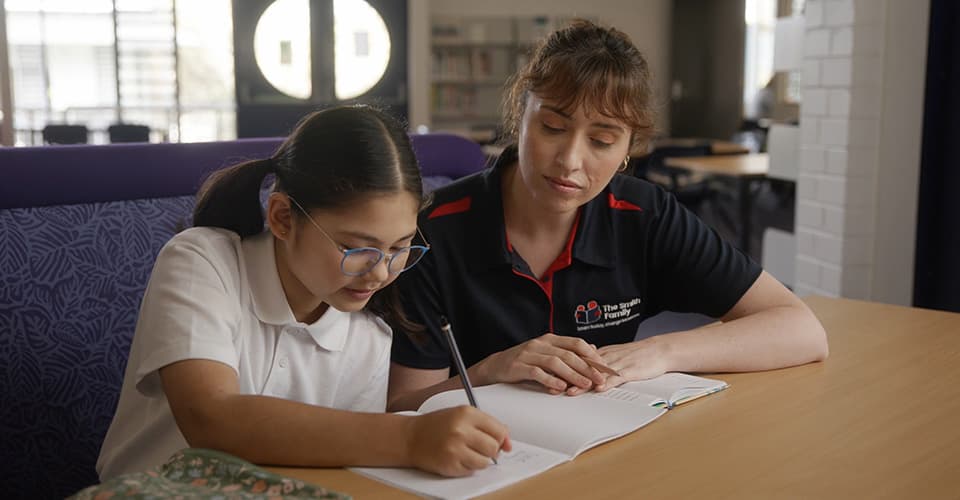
pixel 444 322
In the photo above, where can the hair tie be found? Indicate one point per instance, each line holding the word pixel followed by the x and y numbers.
pixel 272 164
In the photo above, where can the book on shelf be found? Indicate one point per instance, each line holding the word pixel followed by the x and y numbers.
pixel 575 424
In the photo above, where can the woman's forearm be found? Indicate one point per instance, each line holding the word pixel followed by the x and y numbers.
pixel 773 338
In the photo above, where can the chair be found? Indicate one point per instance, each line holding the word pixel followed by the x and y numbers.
pixel 709 200
pixel 128 132
pixel 65 134
pixel 445 154
pixel 684 186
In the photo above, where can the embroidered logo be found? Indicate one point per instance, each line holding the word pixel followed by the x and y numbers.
pixel 585 315
pixel 589 316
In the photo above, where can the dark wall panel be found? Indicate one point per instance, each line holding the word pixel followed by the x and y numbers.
pixel 937 267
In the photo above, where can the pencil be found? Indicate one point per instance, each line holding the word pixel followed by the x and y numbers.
pixel 458 360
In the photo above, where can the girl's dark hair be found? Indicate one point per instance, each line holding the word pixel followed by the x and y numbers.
pixel 332 158
pixel 586 63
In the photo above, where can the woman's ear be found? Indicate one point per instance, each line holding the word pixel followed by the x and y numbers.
pixel 279 215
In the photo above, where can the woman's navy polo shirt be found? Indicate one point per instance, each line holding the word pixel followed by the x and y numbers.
pixel 634 252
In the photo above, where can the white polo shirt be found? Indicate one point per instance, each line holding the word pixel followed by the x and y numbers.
pixel 213 296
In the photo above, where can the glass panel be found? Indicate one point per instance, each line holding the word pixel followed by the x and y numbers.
pixel 63 67
pixel 281 46
pixel 362 47
pixel 760 17
pixel 146 53
pixel 206 71
pixel 74 6
pixel 24 33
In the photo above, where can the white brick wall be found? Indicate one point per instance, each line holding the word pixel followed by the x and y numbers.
pixel 838 13
pixel 836 72
pixel 816 43
pixel 811 72
pixel 839 138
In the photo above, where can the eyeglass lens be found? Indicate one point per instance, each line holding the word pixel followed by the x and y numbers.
pixel 361 261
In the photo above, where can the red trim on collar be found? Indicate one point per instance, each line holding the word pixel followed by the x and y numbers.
pixel 621 204
pixel 453 207
pixel 566 256
pixel 563 260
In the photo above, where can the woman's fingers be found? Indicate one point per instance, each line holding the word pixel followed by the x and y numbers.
pixel 610 383
pixel 565 358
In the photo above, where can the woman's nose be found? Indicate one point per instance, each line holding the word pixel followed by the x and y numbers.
pixel 570 155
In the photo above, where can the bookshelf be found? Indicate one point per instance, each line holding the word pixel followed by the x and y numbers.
pixel 472 60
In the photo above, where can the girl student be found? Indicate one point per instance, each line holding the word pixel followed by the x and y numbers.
pixel 272 344
pixel 547 262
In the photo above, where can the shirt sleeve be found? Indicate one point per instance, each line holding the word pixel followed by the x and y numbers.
pixel 190 308
pixel 420 297
pixel 693 268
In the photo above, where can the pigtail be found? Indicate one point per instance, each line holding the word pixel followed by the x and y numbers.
pixel 230 198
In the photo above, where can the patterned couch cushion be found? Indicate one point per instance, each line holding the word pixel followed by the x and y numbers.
pixel 71 281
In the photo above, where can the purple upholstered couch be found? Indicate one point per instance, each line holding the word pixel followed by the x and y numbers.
pixel 80 227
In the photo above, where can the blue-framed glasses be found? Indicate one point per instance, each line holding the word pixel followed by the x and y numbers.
pixel 360 261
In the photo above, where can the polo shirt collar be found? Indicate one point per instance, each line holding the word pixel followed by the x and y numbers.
pixel 594 243
pixel 270 303
pixel 486 240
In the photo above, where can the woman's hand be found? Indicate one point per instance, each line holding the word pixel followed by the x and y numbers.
pixel 557 362
pixel 455 441
pixel 638 360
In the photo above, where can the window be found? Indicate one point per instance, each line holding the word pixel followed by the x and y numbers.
pixel 361 47
pixel 281 45
pixel 205 71
pixel 758 89
pixel 100 62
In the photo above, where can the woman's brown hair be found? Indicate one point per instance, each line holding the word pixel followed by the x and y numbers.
pixel 585 63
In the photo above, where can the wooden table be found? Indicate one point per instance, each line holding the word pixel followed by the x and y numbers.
pixel 717 147
pixel 746 169
pixel 879 418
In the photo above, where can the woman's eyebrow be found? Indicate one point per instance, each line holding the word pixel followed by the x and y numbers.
pixel 373 240
pixel 608 126
pixel 555 110
pixel 598 124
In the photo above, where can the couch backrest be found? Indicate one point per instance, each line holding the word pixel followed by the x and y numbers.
pixel 69 175
pixel 80 227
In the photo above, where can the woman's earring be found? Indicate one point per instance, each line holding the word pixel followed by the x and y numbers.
pixel 626 163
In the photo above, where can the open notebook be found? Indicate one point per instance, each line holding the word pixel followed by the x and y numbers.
pixel 575 424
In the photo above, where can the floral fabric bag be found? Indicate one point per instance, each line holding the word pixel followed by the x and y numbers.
pixel 208 474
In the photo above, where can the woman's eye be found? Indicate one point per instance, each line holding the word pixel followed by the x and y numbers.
pixel 553 130
pixel 601 144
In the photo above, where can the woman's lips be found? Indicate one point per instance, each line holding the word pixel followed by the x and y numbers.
pixel 563 186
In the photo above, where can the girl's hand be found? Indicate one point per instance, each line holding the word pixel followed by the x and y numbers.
pixel 638 360
pixel 455 441
pixel 557 362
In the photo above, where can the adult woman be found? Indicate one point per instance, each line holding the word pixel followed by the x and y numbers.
pixel 550 253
